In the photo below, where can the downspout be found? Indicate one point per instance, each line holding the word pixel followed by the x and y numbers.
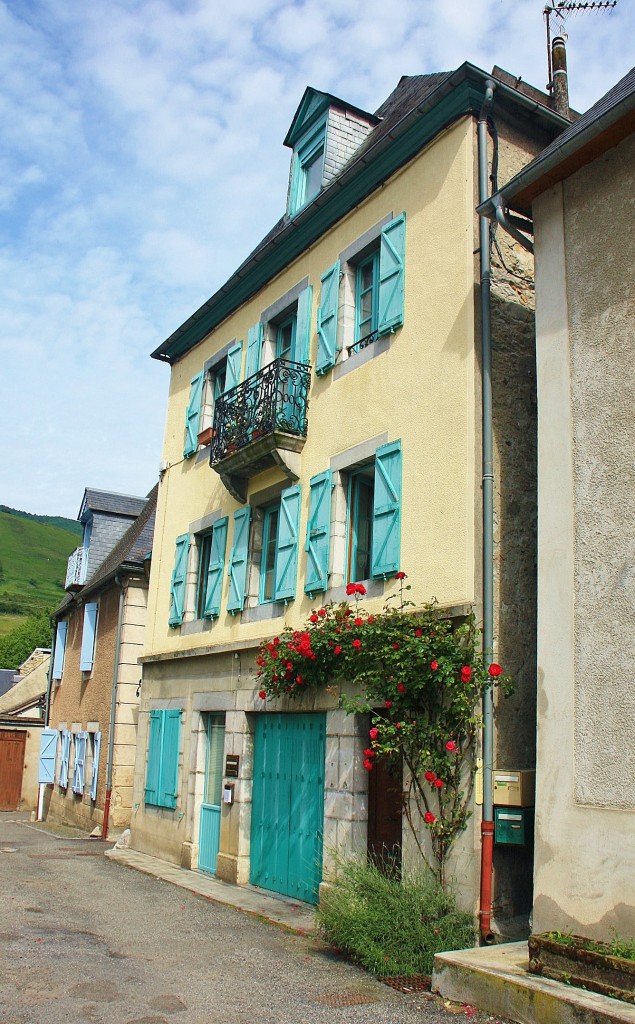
pixel 487 823
pixel 113 711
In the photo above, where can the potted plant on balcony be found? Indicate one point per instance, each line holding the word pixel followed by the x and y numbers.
pixel 205 436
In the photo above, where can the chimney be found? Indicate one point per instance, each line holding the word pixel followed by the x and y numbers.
pixel 560 94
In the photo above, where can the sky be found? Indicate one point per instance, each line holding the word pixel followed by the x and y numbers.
pixel 141 160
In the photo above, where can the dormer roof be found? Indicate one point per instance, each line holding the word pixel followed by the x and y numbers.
pixel 110 502
pixel 311 108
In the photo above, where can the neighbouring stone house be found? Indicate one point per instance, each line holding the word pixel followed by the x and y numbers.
pixel 323 427
pixel 88 748
pixel 22 712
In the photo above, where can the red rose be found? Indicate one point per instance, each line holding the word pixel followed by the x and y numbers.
pixel 369 753
pixel 418 632
pixel 313 618
pixel 276 641
pixel 388 703
pixel 321 612
pixel 299 680
pixel 368 765
pixel 262 694
pixel 351 589
pixel 429 776
pixel 395 647
pixel 494 670
pixel 401 687
pixel 337 650
pixel 357 644
pixel 370 619
pixel 373 733
pixel 260 661
pixel 400 576
pixel 429 818
pixel 466 674
pixel 434 665
pixel 450 746
pixel 398 725
pixel 347 612
pixel 360 589
pixel 358 622
pixel 438 783
pixel 274 653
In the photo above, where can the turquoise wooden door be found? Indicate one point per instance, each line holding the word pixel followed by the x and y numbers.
pixel 288 804
pixel 209 830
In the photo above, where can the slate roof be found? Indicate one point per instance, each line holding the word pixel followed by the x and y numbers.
pixel 110 501
pixel 128 554
pixel 414 97
pixel 7 678
pixel 603 125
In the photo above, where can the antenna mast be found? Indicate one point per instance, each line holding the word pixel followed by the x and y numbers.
pixel 560 9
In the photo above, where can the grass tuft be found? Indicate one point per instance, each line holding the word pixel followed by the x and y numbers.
pixel 388 926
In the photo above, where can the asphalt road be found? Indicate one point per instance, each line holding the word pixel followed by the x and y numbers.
pixel 84 939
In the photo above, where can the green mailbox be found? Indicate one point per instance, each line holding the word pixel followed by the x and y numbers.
pixel 513 826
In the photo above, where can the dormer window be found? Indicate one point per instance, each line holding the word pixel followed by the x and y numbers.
pixel 324 134
pixel 308 168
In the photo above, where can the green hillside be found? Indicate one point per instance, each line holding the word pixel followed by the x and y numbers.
pixel 33 559
pixel 64 524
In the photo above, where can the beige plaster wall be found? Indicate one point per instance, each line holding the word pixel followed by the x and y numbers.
pixel 585 842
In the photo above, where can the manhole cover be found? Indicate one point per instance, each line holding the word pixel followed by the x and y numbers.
pixel 409 983
pixel 346 999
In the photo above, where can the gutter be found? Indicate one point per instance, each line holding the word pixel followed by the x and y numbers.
pixel 113 708
pixel 487 822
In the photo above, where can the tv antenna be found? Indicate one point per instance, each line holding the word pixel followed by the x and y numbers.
pixel 560 10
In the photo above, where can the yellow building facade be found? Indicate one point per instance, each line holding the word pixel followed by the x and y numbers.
pixel 324 427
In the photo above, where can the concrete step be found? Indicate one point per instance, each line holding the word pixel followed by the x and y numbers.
pixel 495 978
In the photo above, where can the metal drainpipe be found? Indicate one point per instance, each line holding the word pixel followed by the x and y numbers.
pixel 487 824
pixel 113 710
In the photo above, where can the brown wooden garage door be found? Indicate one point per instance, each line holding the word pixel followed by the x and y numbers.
pixel 12 744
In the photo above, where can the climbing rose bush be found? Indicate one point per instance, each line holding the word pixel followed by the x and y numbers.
pixel 420 676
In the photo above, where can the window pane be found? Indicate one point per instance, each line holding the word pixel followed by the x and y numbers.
pixel 284 339
pixel 215 748
pixel 313 175
pixel 220 375
pixel 203 566
pixel 366 297
pixel 270 533
pixel 361 492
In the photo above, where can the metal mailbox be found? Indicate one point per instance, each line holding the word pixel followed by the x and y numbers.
pixel 513 826
pixel 513 788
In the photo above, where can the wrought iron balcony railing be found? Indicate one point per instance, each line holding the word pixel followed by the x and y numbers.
pixel 274 400
pixel 363 343
pixel 76 569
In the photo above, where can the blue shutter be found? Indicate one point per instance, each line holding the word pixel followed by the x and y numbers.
pixel 327 319
pixel 60 649
pixel 237 570
pixel 169 758
pixel 154 758
pixel 64 758
pixel 177 589
pixel 386 510
pixel 318 533
pixel 392 257
pixel 234 364
pixel 254 349
pixel 80 760
pixel 93 781
pixel 302 340
pixel 48 751
pixel 286 568
pixel 88 637
pixel 216 565
pixel 193 415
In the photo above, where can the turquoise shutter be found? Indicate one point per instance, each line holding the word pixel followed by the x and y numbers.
pixel 254 349
pixel 318 533
pixel 234 364
pixel 154 757
pixel 237 570
pixel 286 568
pixel 48 750
pixel 214 582
pixel 177 589
pixel 327 319
pixel 64 758
pixel 391 275
pixel 170 757
pixel 193 415
pixel 60 649
pixel 93 781
pixel 80 760
pixel 302 339
pixel 386 510
pixel 88 637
